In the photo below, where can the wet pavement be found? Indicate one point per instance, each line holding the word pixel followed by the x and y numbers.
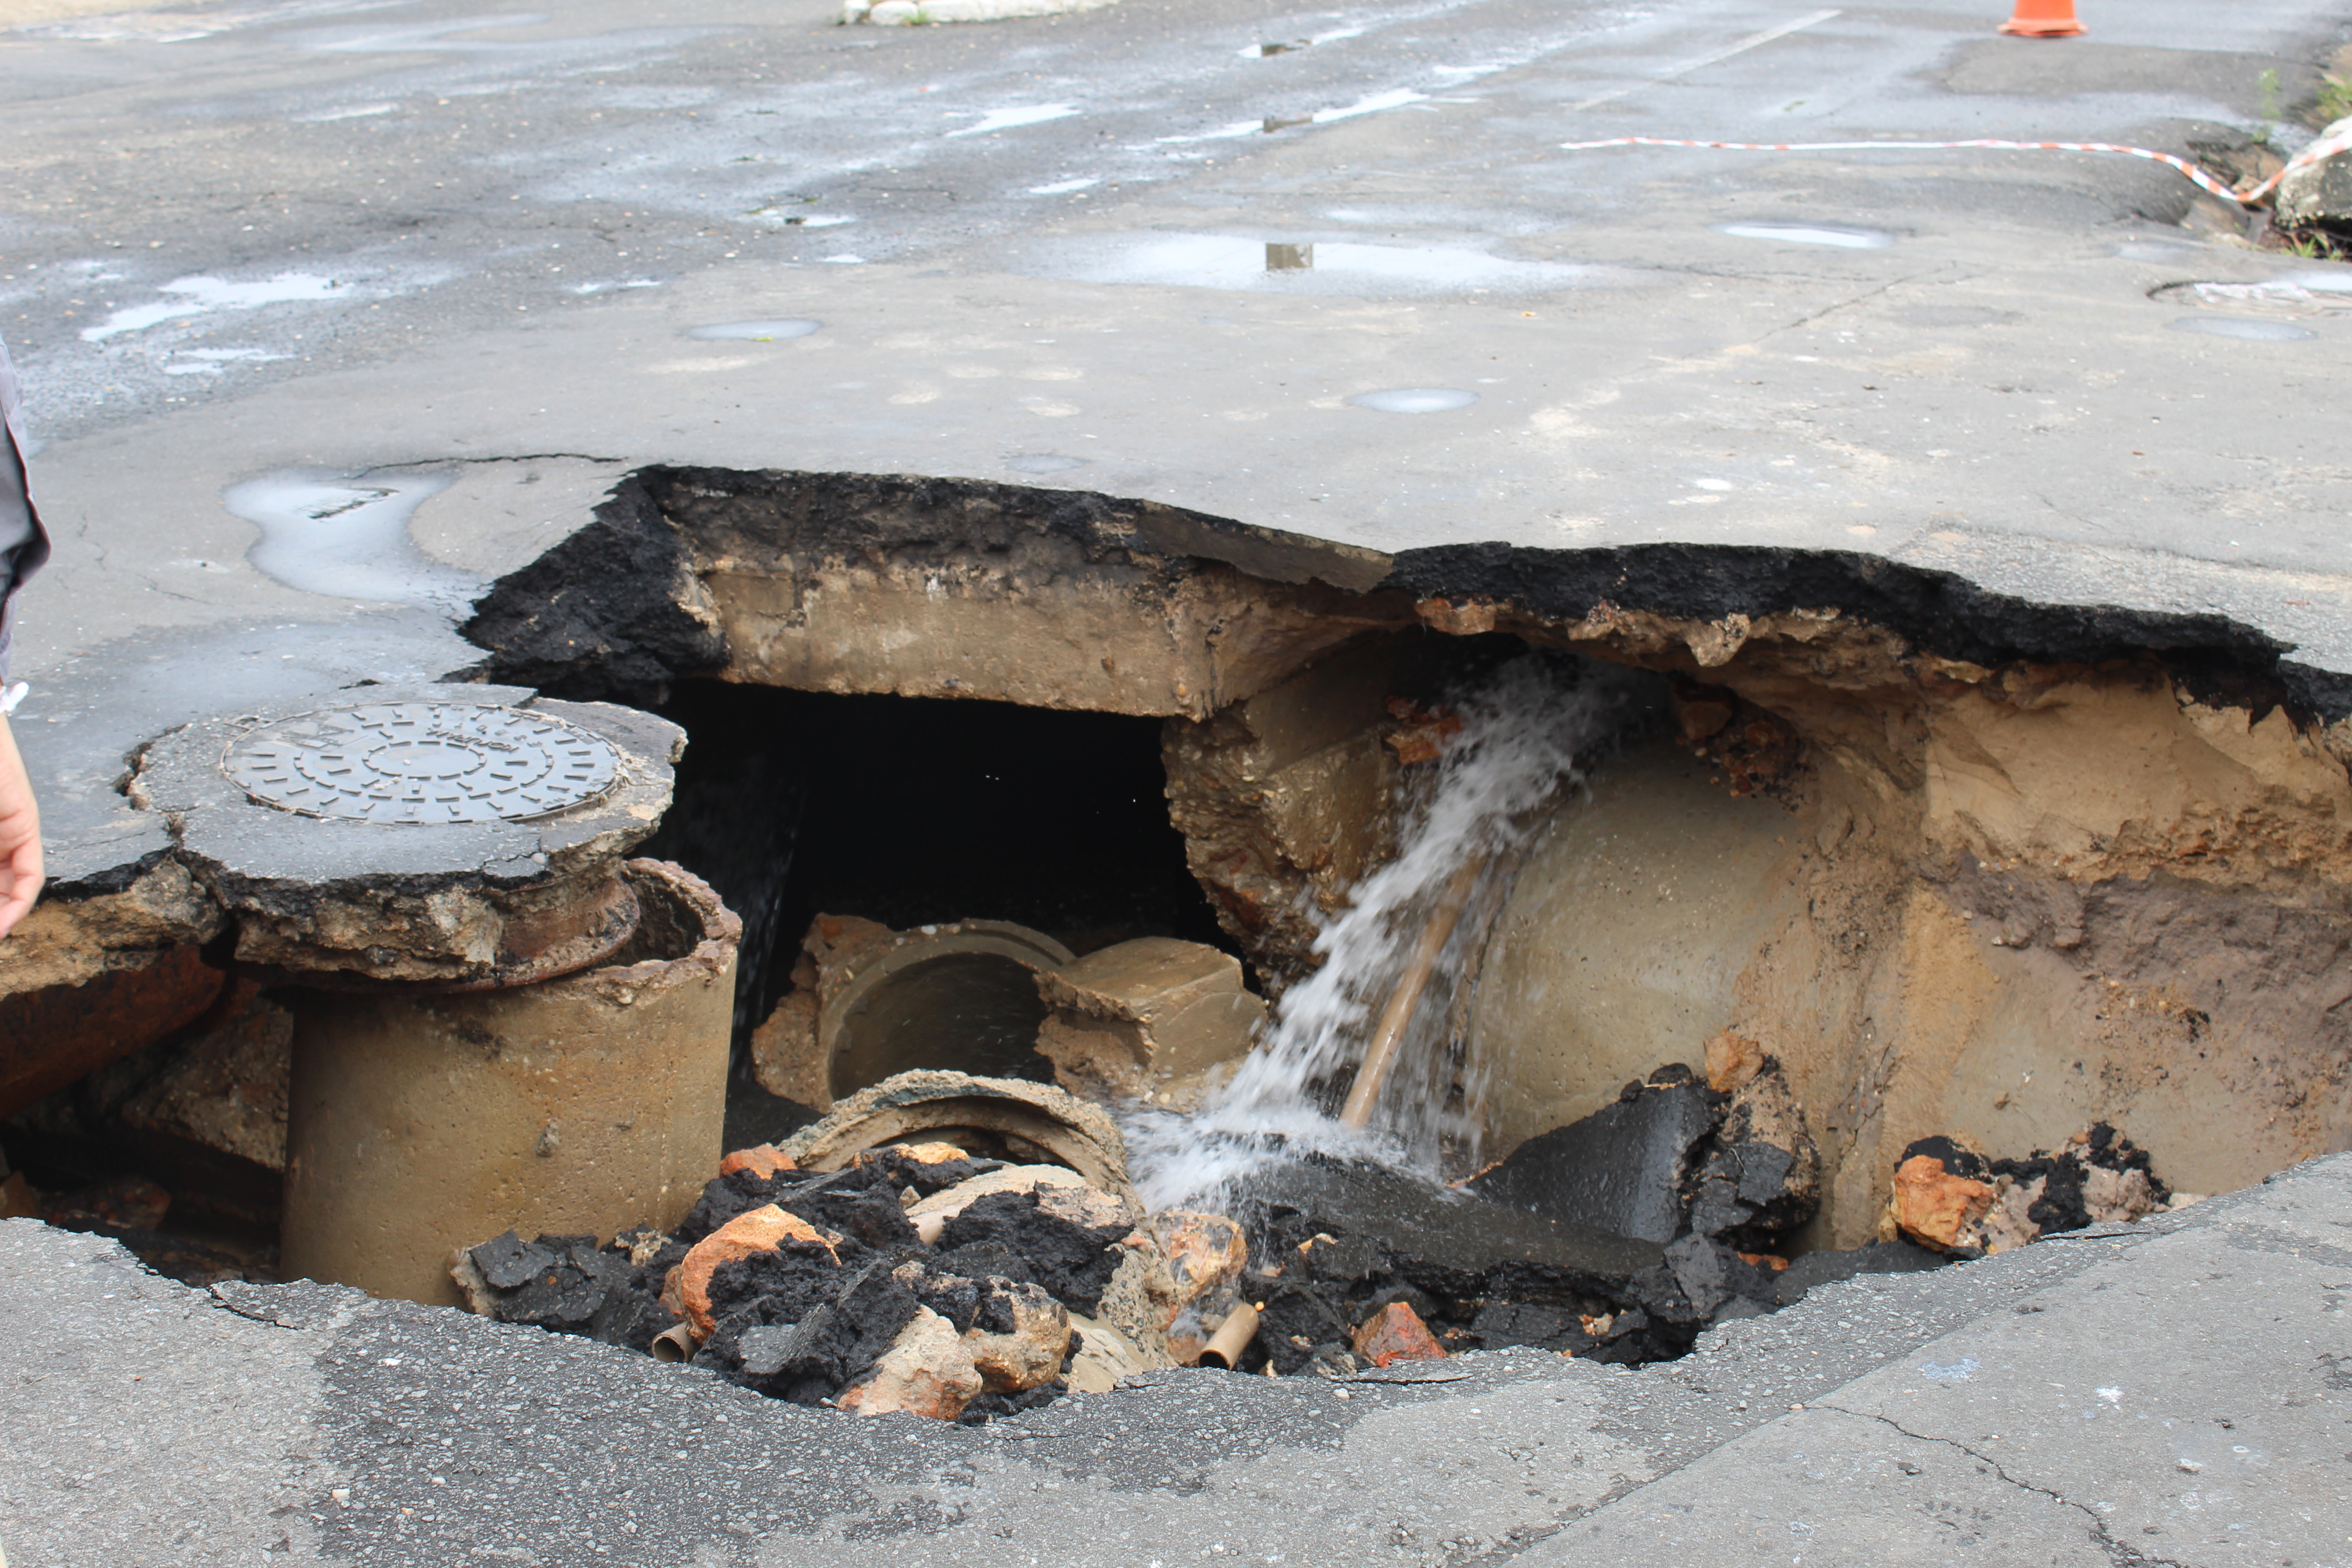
pixel 348 240
pixel 329 310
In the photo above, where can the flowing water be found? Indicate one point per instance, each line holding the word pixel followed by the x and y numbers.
pixel 1524 733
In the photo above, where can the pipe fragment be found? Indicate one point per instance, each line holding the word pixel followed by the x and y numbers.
pixel 674 1343
pixel 1233 1336
pixel 1380 1057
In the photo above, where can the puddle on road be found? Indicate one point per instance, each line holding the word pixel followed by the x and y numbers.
pixel 1809 234
pixel 347 538
pixel 2299 294
pixel 198 296
pixel 1373 271
pixel 1414 400
pixel 2242 327
pixel 755 331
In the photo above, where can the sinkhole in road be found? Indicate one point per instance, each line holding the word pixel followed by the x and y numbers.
pixel 1720 918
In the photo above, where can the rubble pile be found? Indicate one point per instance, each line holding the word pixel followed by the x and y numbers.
pixel 1951 1197
pixel 930 1277
pixel 1622 1237
pixel 919 1277
pixel 1618 1237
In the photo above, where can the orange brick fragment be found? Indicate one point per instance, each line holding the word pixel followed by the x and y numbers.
pixel 1396 1332
pixel 759 1230
pixel 1934 1207
pixel 762 1160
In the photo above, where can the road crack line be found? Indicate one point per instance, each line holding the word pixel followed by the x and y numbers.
pixel 2123 1553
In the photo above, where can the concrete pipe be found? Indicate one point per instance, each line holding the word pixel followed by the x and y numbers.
pixel 959 997
pixel 420 1123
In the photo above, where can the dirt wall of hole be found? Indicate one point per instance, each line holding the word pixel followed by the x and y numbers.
pixel 1941 845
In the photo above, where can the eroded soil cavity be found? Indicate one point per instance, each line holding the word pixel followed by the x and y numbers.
pixel 1964 865
pixel 1958 866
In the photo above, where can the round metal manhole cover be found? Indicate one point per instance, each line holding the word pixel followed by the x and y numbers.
pixel 429 762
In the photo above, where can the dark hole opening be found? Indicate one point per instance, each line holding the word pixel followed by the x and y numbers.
pixel 922 811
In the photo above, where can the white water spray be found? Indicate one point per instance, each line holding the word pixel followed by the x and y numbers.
pixel 1522 733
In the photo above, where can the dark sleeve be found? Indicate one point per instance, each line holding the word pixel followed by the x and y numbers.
pixel 23 544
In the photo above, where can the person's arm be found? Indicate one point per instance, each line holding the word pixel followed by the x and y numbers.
pixel 20 835
pixel 22 547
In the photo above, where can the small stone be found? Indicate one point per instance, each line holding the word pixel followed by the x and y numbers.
pixel 928 1371
pixel 1029 1352
pixel 1105 1355
pixel 1935 1208
pixel 2118 1196
pixel 761 1230
pixel 1396 1334
pixel 1731 1062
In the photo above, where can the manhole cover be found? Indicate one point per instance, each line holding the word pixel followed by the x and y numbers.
pixel 420 762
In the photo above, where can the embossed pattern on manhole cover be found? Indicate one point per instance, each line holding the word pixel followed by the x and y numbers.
pixel 429 762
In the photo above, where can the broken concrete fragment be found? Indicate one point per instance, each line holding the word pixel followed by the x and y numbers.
pixel 921 1169
pixel 2118 1196
pixel 1019 1339
pixel 1104 1356
pixel 928 1371
pixel 1395 1333
pixel 1146 1019
pixel 129 920
pixel 2320 192
pixel 224 1089
pixel 793 1329
pixel 1065 1239
pixel 1449 1243
pixel 1935 1208
pixel 1717 1281
pixel 761 1230
pixel 51 1037
pixel 1620 1170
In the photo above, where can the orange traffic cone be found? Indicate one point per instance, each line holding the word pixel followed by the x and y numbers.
pixel 2045 19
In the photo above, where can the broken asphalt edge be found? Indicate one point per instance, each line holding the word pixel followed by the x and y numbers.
pixel 649 635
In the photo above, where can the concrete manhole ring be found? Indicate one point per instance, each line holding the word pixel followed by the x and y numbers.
pixel 422 762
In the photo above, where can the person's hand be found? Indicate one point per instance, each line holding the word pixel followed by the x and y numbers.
pixel 20 835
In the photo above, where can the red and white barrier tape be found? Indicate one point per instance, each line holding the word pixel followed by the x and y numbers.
pixel 2318 149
